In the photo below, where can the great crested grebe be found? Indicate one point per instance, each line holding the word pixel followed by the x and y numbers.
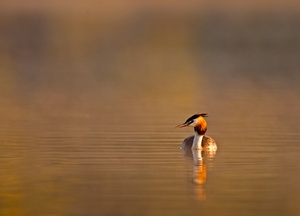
pixel 199 140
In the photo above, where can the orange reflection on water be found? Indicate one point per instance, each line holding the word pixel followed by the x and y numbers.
pixel 199 168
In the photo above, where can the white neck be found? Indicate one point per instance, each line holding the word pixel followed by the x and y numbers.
pixel 197 141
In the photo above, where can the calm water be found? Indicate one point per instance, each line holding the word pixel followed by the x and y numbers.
pixel 88 116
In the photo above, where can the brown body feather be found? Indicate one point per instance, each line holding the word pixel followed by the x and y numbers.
pixel 207 142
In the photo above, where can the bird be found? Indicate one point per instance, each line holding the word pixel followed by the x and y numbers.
pixel 199 141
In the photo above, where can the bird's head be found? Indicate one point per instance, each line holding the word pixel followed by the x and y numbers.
pixel 193 121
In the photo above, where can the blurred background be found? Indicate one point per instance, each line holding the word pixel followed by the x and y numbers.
pixel 78 55
pixel 91 92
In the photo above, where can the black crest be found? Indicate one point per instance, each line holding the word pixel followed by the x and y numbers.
pixel 190 119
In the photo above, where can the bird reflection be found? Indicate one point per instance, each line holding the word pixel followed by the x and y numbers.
pixel 200 158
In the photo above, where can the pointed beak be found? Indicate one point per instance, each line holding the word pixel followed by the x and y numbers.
pixel 182 125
